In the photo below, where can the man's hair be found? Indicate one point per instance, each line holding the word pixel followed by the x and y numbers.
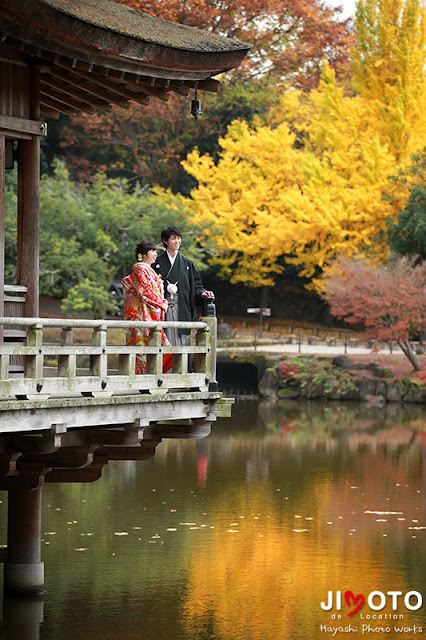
pixel 168 232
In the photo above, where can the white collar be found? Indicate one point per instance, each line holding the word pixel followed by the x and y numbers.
pixel 172 260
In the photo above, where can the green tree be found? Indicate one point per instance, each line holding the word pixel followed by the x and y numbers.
pixel 407 235
pixel 10 224
pixel 88 233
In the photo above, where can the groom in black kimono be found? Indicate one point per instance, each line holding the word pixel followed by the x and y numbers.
pixel 183 287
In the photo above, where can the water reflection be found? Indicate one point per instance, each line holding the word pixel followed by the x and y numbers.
pixel 241 536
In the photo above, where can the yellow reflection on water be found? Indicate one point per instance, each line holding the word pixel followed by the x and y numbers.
pixel 264 576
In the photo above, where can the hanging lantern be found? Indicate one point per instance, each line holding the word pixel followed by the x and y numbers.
pixel 195 106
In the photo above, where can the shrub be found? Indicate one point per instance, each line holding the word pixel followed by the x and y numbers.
pixel 316 377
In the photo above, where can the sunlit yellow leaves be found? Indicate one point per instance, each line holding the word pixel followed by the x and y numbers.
pixel 388 69
pixel 315 182
pixel 304 190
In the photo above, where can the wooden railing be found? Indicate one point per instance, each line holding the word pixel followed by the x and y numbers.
pixel 14 303
pixel 81 359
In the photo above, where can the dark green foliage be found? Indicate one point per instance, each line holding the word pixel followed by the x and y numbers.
pixel 88 233
pixel 408 235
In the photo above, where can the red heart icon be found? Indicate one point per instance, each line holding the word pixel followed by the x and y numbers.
pixel 358 599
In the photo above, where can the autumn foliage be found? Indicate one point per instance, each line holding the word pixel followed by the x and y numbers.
pixel 146 144
pixel 388 65
pixel 288 165
pixel 290 38
pixel 388 300
pixel 306 188
pixel 317 181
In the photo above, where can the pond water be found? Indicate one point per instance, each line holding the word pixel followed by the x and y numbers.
pixel 242 535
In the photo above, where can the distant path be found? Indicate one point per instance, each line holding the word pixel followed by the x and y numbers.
pixel 309 349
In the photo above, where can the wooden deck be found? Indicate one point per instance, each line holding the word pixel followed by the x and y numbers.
pixel 71 401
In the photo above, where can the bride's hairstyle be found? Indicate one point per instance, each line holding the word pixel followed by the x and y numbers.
pixel 142 249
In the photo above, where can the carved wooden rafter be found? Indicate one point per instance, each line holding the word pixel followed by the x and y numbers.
pixel 96 57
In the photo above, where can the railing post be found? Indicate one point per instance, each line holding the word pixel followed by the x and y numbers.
pixel 211 343
pixel 180 363
pixel 4 367
pixel 127 364
pixel 99 364
pixel 154 362
pixel 34 364
pixel 67 365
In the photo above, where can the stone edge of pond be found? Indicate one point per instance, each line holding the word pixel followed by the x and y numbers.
pixel 372 388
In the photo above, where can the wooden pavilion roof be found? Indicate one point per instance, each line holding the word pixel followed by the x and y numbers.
pixel 95 53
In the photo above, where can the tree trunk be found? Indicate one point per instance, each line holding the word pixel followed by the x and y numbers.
pixel 408 351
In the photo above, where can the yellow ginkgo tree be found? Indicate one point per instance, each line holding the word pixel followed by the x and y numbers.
pixel 315 181
pixel 388 66
pixel 304 190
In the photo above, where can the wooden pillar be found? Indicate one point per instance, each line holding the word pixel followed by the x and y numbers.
pixel 2 162
pixel 23 571
pixel 29 206
pixel 22 617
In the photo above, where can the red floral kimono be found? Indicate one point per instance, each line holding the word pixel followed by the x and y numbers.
pixel 143 297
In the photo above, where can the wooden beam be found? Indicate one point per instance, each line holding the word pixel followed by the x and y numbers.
pixel 80 413
pixel 73 475
pixel 59 106
pixel 64 98
pixel 62 458
pixel 8 464
pixel 210 84
pixel 142 452
pixel 2 218
pixel 117 437
pixel 21 125
pixel 11 54
pixel 84 96
pixel 48 442
pixel 183 431
pixel 9 134
pixel 147 88
pixel 180 88
pixel 27 481
pixel 48 111
pixel 69 75
pixel 111 86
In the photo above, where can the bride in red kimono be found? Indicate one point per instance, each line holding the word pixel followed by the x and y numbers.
pixel 144 300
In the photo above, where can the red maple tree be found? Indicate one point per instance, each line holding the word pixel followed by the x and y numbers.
pixel 143 144
pixel 290 38
pixel 387 299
